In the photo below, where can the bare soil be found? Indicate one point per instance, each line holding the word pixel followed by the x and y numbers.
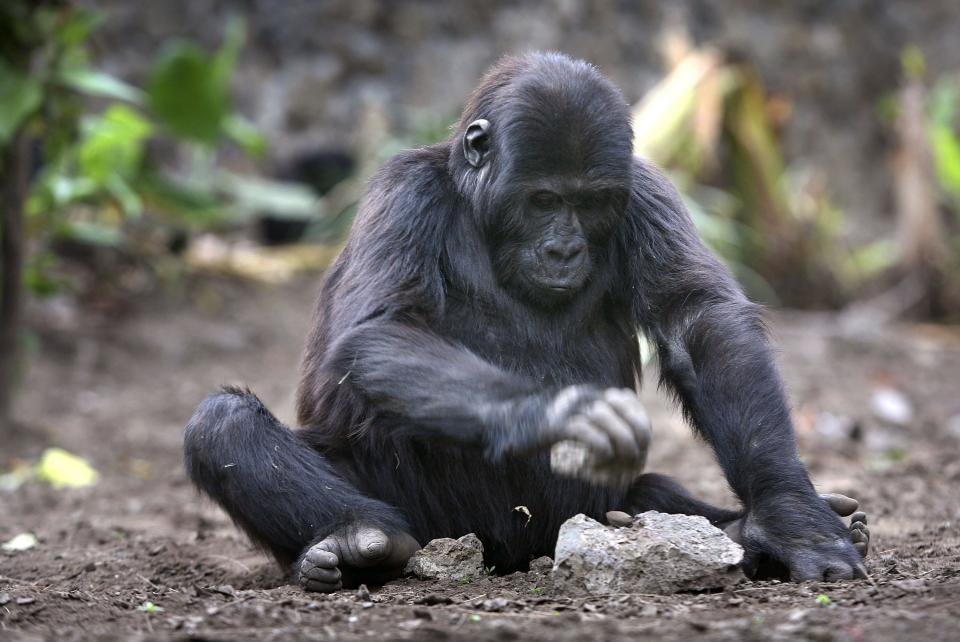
pixel 119 390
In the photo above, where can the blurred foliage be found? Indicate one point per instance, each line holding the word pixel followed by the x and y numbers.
pixel 712 125
pixel 944 133
pixel 92 174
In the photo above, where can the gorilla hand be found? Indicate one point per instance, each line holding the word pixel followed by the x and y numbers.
pixel 599 436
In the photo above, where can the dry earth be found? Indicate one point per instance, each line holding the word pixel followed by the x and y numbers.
pixel 118 393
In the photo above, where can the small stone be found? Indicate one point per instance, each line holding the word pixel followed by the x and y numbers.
pixel 4 598
pixel 495 605
pixel 225 589
pixel 445 558
pixel 573 459
pixel 432 599
pixel 23 601
pixel 892 406
pixel 366 605
pixel 953 426
pixel 832 426
pixel 541 565
pixel 410 625
pixel 659 553
pixel 363 593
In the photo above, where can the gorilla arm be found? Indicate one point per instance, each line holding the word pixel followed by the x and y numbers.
pixel 713 353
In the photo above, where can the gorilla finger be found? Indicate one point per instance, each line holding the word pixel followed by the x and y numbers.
pixel 860 571
pixel 840 504
pixel 320 574
pixel 619 518
pixel 606 419
pixel 862 548
pixel 859 517
pixel 321 555
pixel 373 545
pixel 859 526
pixel 581 430
pixel 857 536
pixel 625 402
pixel 321 587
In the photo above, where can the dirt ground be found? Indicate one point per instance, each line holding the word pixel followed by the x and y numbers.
pixel 119 392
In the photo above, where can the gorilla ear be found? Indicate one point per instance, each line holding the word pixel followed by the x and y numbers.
pixel 476 142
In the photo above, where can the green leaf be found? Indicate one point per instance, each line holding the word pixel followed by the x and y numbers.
pixel 95 83
pixel 913 61
pixel 77 28
pixel 112 144
pixel 187 95
pixel 90 233
pixel 946 155
pixel 184 202
pixel 252 195
pixel 20 96
pixel 226 57
pixel 243 132
pixel 125 196
pixel 40 277
pixel 150 607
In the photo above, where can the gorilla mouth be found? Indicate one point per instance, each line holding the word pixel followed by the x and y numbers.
pixel 567 285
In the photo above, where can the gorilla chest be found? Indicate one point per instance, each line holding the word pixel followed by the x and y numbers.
pixel 554 351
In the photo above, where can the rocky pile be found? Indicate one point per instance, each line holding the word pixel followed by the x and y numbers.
pixel 657 553
pixel 445 558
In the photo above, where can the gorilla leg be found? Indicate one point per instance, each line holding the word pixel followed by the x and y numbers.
pixel 653 491
pixel 283 493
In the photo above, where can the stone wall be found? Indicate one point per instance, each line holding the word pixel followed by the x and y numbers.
pixel 312 66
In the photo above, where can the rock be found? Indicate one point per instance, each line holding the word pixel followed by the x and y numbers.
pixel 446 558
pixel 892 406
pixel 574 459
pixel 541 565
pixel 659 553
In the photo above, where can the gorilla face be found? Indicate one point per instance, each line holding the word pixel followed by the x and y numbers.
pixel 545 246
pixel 548 169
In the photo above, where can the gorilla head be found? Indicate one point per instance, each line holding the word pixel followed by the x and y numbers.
pixel 545 160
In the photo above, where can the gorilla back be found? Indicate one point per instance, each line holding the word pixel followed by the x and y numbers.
pixel 485 307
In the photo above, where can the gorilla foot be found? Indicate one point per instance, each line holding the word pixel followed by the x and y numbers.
pixel 839 504
pixel 355 554
pixel 844 506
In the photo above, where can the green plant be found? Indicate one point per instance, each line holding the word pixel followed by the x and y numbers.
pixel 71 171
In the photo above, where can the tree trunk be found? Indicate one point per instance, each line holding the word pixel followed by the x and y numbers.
pixel 922 250
pixel 13 183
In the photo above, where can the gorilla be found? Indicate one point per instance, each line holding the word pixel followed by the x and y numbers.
pixel 486 306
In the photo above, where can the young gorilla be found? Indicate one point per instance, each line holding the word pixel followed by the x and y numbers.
pixel 485 307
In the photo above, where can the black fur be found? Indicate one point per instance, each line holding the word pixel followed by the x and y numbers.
pixel 436 352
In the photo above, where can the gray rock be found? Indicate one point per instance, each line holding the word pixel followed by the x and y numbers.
pixel 659 553
pixel 445 558
pixel 541 565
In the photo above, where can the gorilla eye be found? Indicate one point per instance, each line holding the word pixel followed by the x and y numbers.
pixel 593 200
pixel 545 200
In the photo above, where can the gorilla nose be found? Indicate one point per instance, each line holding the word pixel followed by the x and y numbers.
pixel 564 252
